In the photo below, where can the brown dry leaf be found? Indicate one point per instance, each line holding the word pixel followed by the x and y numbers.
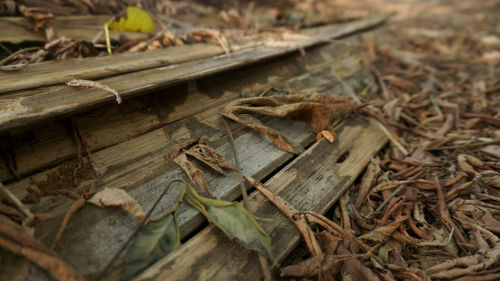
pixel 329 135
pixel 210 157
pixel 421 156
pixel 466 163
pixel 293 214
pixel 12 212
pixel 118 197
pixel 468 265
pixel 383 233
pixel 14 267
pixel 194 174
pixel 353 269
pixel 320 112
pixel 75 207
pixel 367 181
pixel 309 267
pixel 493 150
pixel 24 245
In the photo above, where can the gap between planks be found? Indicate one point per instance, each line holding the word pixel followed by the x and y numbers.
pixel 113 124
pixel 24 108
pixel 314 181
pixel 87 228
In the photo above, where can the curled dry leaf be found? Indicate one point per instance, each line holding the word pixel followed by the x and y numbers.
pixel 14 267
pixel 75 207
pixel 22 244
pixel 329 135
pixel 210 157
pixel 293 214
pixel 383 233
pixel 321 112
pixel 309 267
pixel 195 175
pixel 177 149
pixel 118 197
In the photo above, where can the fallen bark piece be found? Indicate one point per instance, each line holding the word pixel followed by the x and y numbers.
pixel 321 112
pixel 118 197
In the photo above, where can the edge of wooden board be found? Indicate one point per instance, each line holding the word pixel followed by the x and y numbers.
pixel 30 106
pixel 314 181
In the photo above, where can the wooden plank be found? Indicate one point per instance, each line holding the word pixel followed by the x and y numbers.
pixel 58 72
pixel 16 30
pixel 109 125
pixel 23 108
pixel 138 166
pixel 313 181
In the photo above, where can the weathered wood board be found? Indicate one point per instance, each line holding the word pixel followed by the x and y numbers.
pixel 18 29
pixel 144 174
pixel 130 155
pixel 30 106
pixel 109 125
pixel 58 72
pixel 312 182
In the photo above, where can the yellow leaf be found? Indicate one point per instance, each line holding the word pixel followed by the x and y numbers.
pixel 136 20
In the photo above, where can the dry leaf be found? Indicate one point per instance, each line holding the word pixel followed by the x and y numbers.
pixel 329 135
pixel 383 233
pixel 22 244
pixel 118 197
pixel 210 157
pixel 75 207
pixel 194 174
pixel 320 112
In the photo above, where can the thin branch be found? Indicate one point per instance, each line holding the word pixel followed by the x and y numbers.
pixel 237 161
pixel 17 53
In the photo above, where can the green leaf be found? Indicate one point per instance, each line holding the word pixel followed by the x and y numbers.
pixel 383 254
pixel 154 241
pixel 136 20
pixel 233 219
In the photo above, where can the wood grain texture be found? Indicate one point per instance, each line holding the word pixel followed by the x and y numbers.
pixel 58 72
pixel 48 145
pixel 313 181
pixel 138 165
pixel 16 30
pixel 25 107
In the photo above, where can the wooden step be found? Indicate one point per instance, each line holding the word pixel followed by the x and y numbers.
pixel 25 107
pixel 138 166
pixel 312 182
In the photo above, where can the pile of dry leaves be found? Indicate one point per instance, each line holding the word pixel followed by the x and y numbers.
pixel 428 205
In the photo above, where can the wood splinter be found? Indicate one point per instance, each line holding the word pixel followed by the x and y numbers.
pixel 93 84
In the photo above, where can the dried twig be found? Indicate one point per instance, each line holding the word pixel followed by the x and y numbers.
pixel 237 162
pixel 93 84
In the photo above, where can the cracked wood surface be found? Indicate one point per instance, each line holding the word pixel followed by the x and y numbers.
pixel 106 126
pixel 34 105
pixel 312 182
pixel 131 154
pixel 142 170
